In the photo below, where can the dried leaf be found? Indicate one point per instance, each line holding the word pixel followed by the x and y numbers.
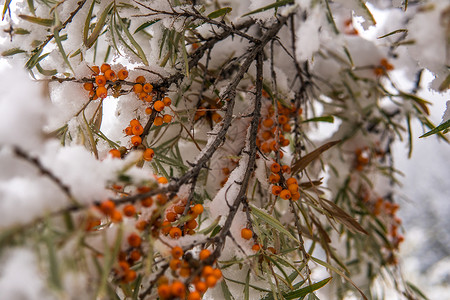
pixel 303 162
pixel 339 214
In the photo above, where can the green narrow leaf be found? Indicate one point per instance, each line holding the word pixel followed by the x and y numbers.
pixel 226 291
pixel 98 27
pixel 270 6
pixel 61 49
pixel 410 139
pixel 13 51
pixel 5 8
pixel 327 265
pixel 55 277
pixel 31 7
pixel 136 45
pixel 328 119
pixel 247 287
pixel 37 20
pixel 441 127
pixel 366 12
pixel 416 290
pixel 87 23
pixel 274 223
pixel 392 32
pixel 185 54
pixel 145 25
pixel 46 72
pixel 220 12
pixel 306 290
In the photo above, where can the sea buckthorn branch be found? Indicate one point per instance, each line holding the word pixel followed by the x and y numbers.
pixel 34 161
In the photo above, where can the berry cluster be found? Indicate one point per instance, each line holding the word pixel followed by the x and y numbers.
pixel 285 190
pixel 184 265
pixel 102 76
pixel 271 130
pixel 185 225
pixel 145 93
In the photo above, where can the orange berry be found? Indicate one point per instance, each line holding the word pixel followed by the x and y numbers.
pixel 175 264
pixel 148 110
pixel 147 202
pixel 201 287
pixel 148 88
pixel 185 272
pixel 177 252
pixel 105 67
pixel 158 105
pixel 134 122
pixel 95 69
pixel 137 88
pixel 137 130
pixel 268 123
pixel 194 296
pixel 217 273
pixel 266 135
pixel 116 216
pixel 161 199
pixel 110 75
pixel 256 247
pixel 171 216
pixel 167 118
pixel 141 225
pixel 148 98
pixel 287 127
pixel 122 263
pixel 286 169
pixel 142 96
pixel 129 130
pixel 148 154
pixel 175 232
pixel 135 255
pixel 167 101
pixel 134 240
pixel 136 140
pixel 207 271
pixel 293 188
pixel 211 281
pixel 284 142
pixel 295 196
pixel 273 146
pixel 246 233
pixel 107 207
pixel 129 210
pixel 276 190
pixel 285 194
pixel 101 92
pixel 130 276
pixel 91 223
pixel 178 289
pixel 179 209
pixel 291 180
pixel 166 227
pixel 197 209
pixel 282 119
pixel 265 148
pixel 140 79
pixel 275 167
pixel 122 74
pixel 204 254
pixel 158 121
pixel 192 224
pixel 88 86
pixel 164 291
pixel 114 153
pixel 163 180
pixel 274 178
